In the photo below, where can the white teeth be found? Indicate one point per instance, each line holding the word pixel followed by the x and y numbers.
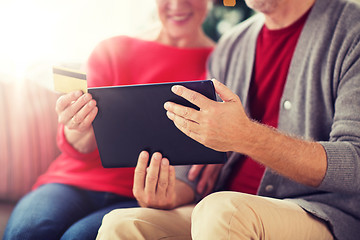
pixel 179 18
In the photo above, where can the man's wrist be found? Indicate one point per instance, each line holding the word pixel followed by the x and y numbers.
pixel 250 138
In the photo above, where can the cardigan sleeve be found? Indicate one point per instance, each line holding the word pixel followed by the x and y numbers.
pixel 343 148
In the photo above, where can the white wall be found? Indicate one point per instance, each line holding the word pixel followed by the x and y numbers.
pixel 63 30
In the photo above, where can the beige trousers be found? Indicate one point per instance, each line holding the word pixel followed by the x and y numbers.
pixel 146 223
pixel 232 215
pixel 223 215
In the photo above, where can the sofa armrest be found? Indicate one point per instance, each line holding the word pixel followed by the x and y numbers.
pixel 28 125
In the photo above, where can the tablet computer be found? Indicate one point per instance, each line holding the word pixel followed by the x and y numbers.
pixel 132 119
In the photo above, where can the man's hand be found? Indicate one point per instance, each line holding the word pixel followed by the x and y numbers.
pixel 208 177
pixel 154 186
pixel 218 125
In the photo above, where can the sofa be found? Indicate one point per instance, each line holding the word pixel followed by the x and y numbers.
pixel 28 125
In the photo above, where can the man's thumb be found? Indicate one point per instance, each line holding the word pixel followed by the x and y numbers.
pixel 224 92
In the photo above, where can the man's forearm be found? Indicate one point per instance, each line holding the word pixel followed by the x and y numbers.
pixel 300 160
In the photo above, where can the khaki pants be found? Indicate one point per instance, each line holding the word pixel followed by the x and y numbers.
pixel 147 224
pixel 223 215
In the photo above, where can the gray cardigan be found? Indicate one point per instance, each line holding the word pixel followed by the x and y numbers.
pixel 323 89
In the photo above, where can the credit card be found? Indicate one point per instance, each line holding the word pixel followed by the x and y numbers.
pixel 68 80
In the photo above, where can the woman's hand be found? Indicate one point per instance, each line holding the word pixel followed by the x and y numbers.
pixel 76 110
pixel 154 186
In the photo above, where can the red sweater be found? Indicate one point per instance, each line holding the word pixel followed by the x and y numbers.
pixel 122 61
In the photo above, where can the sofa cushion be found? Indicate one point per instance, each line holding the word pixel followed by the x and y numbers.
pixel 28 125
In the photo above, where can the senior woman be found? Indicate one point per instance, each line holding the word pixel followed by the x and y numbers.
pixel 71 198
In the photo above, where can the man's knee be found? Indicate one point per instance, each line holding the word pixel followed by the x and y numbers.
pixel 120 223
pixel 144 223
pixel 224 213
pixel 220 204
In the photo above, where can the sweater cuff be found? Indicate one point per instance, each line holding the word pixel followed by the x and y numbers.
pixel 68 149
pixel 342 164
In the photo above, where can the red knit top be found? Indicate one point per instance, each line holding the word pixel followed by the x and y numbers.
pixel 122 61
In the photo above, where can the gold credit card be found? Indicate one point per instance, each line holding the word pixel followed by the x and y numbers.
pixel 68 80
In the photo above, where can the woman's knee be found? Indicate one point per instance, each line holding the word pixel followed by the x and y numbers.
pixel 40 214
pixel 25 224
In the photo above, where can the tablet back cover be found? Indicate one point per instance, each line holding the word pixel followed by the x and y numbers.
pixel 133 118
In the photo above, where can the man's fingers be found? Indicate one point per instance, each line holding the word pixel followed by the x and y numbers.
pixel 208 178
pixel 201 185
pixel 172 180
pixel 140 173
pixel 183 123
pixel 194 172
pixel 192 96
pixel 163 181
pixel 152 174
pixel 189 128
pixel 182 111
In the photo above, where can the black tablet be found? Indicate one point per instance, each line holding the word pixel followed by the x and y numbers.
pixel 132 118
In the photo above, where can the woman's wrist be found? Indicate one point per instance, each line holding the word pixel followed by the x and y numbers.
pixel 83 141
